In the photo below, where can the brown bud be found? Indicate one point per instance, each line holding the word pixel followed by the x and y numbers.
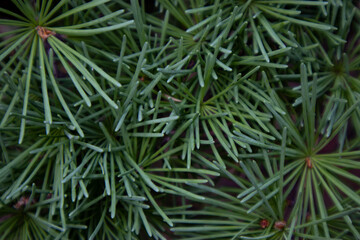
pixel 44 33
pixel 308 162
pixel 280 225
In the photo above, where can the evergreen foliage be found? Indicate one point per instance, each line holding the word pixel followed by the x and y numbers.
pixel 180 119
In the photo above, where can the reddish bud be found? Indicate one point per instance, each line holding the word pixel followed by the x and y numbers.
pixel 264 223
pixel 22 202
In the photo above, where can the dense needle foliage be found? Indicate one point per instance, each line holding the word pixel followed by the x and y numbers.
pixel 180 119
